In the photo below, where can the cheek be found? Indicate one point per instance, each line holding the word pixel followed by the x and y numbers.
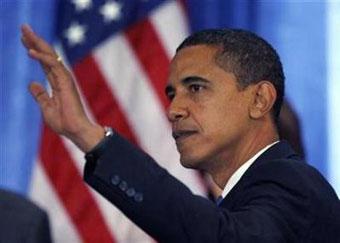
pixel 224 121
pixel 220 113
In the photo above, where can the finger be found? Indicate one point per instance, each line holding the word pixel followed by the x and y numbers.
pixel 54 69
pixel 27 36
pixel 32 41
pixel 25 42
pixel 45 59
pixel 24 30
pixel 40 94
pixel 47 62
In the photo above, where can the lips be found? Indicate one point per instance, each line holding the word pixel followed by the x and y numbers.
pixel 181 134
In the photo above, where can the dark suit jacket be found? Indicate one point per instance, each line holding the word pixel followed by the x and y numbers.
pixel 21 221
pixel 279 199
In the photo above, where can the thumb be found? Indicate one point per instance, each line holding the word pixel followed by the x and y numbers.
pixel 40 94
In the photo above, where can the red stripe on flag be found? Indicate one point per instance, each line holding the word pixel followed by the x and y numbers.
pixel 99 97
pixel 71 189
pixel 151 55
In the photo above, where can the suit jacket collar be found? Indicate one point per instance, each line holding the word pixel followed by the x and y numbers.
pixel 280 150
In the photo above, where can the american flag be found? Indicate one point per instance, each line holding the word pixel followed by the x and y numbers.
pixel 119 52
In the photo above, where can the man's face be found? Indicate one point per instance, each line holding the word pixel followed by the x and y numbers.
pixel 208 112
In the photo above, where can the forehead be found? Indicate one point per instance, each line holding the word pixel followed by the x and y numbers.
pixel 198 61
pixel 197 55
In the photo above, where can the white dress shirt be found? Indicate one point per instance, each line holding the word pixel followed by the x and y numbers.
pixel 240 171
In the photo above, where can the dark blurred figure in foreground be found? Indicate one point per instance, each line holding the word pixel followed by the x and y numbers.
pixel 21 221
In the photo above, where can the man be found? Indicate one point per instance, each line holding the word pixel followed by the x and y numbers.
pixel 225 90
pixel 21 221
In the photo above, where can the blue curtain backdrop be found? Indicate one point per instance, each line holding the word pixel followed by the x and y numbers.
pixel 20 119
pixel 297 30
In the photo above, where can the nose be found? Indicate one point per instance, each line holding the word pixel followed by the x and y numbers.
pixel 177 110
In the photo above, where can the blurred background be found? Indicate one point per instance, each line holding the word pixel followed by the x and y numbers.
pixel 119 52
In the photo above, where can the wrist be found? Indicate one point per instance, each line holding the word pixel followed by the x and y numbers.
pixel 88 137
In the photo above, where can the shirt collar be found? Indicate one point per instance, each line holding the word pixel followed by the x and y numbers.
pixel 240 171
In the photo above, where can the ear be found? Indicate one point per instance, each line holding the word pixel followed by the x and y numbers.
pixel 264 97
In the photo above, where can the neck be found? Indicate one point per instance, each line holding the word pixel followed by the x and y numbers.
pixel 235 157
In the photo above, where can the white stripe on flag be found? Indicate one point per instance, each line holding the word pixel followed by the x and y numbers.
pixel 170 22
pixel 43 194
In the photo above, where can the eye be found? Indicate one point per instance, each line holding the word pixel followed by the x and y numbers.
pixel 195 88
pixel 170 95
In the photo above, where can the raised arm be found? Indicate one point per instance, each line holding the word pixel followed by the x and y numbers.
pixel 62 110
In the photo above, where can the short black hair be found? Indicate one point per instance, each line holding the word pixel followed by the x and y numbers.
pixel 249 57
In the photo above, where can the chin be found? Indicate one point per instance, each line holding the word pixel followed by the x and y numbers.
pixel 191 162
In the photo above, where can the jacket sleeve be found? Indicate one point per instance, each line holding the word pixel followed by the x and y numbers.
pixel 168 211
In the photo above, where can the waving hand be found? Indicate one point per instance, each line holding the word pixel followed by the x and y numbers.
pixel 62 110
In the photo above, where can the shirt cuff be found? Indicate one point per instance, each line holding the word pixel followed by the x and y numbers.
pixel 94 154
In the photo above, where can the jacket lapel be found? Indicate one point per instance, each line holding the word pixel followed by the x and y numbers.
pixel 280 150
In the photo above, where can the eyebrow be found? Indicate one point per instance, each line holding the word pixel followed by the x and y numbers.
pixel 188 80
pixel 191 79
